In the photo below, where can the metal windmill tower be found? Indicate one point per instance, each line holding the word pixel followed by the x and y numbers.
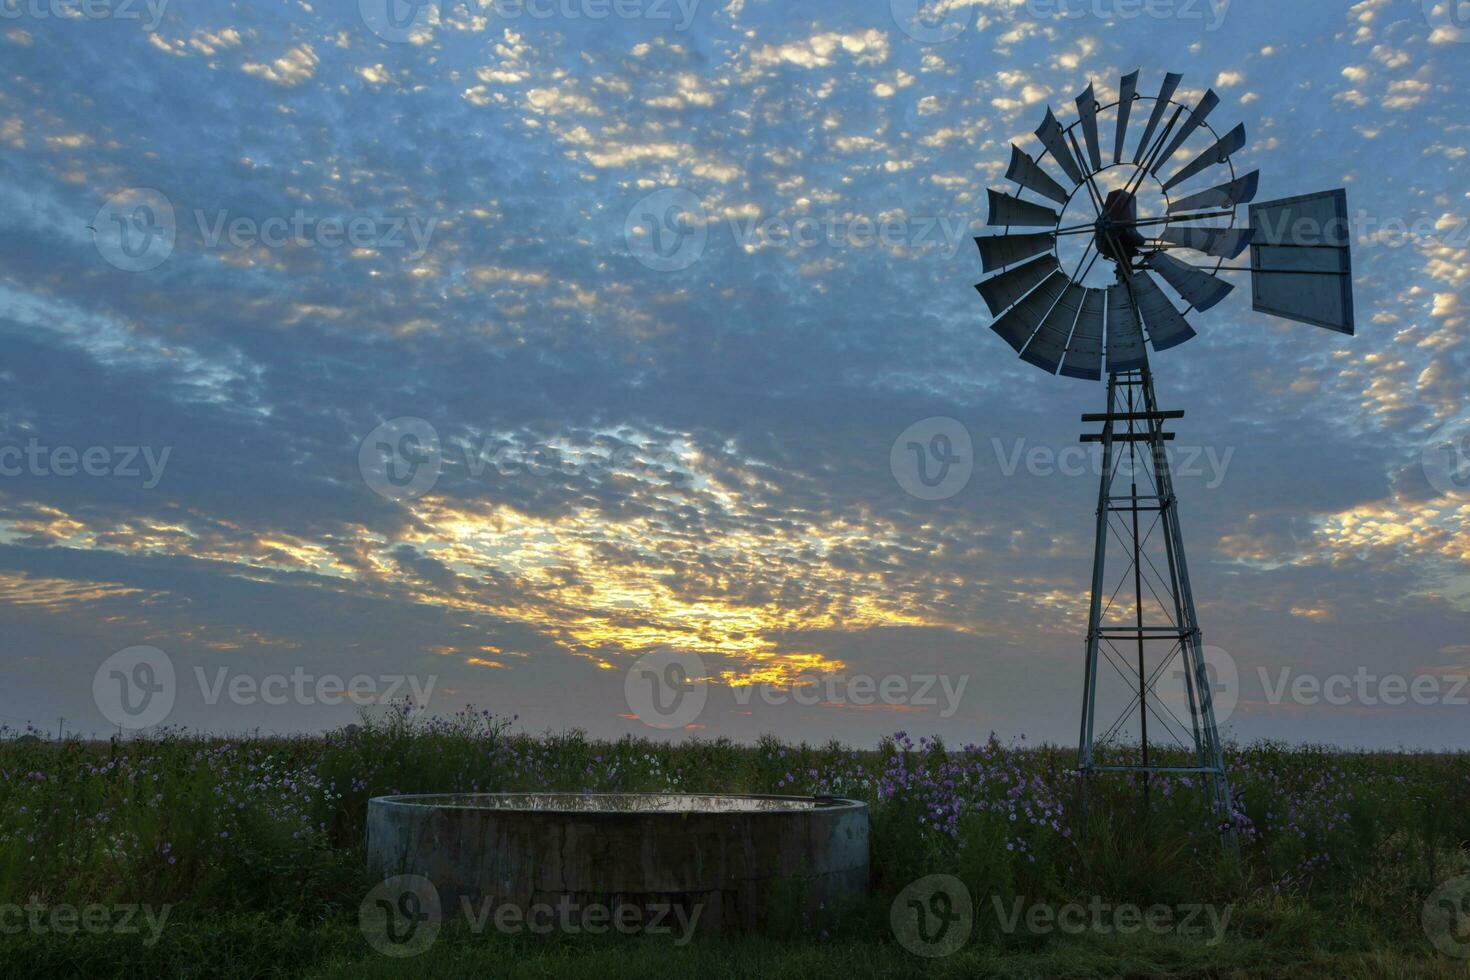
pixel 1073 317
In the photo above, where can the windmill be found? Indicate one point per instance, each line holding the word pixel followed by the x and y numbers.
pixel 1086 299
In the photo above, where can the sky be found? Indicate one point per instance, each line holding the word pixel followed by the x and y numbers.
pixel 513 354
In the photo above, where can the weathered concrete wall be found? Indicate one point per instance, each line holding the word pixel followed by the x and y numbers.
pixel 740 860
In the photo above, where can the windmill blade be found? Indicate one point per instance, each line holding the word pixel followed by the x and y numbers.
pixel 1197 117
pixel 1049 344
pixel 1051 136
pixel 1222 243
pixel 1014 212
pixel 1084 351
pixel 1219 153
pixel 1021 321
pixel 1087 109
pixel 1127 90
pixel 1028 173
pixel 1166 326
pixel 1171 85
pixel 1200 289
pixel 1241 191
pixel 998 251
pixel 1008 287
pixel 1301 260
pixel 1125 337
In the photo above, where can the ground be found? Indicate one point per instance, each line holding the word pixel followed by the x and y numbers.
pixel 183 855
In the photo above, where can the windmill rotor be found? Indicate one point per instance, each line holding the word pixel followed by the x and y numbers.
pixel 1053 310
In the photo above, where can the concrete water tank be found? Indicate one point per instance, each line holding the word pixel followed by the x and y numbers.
pixel 722 864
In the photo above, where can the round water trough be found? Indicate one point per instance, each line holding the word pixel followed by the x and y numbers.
pixel 723 863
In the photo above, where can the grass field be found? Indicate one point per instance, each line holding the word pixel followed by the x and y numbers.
pixel 179 855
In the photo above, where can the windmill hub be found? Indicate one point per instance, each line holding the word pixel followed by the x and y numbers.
pixel 1117 238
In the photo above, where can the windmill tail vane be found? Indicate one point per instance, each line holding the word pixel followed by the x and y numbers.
pixel 1148 228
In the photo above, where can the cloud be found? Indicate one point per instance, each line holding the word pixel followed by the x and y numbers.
pixel 290 70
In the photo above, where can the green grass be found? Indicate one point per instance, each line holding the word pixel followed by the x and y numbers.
pixel 254 846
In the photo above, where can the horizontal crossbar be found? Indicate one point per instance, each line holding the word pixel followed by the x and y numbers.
pixel 1170 632
pixel 1127 437
pixel 1184 770
pixel 1177 413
